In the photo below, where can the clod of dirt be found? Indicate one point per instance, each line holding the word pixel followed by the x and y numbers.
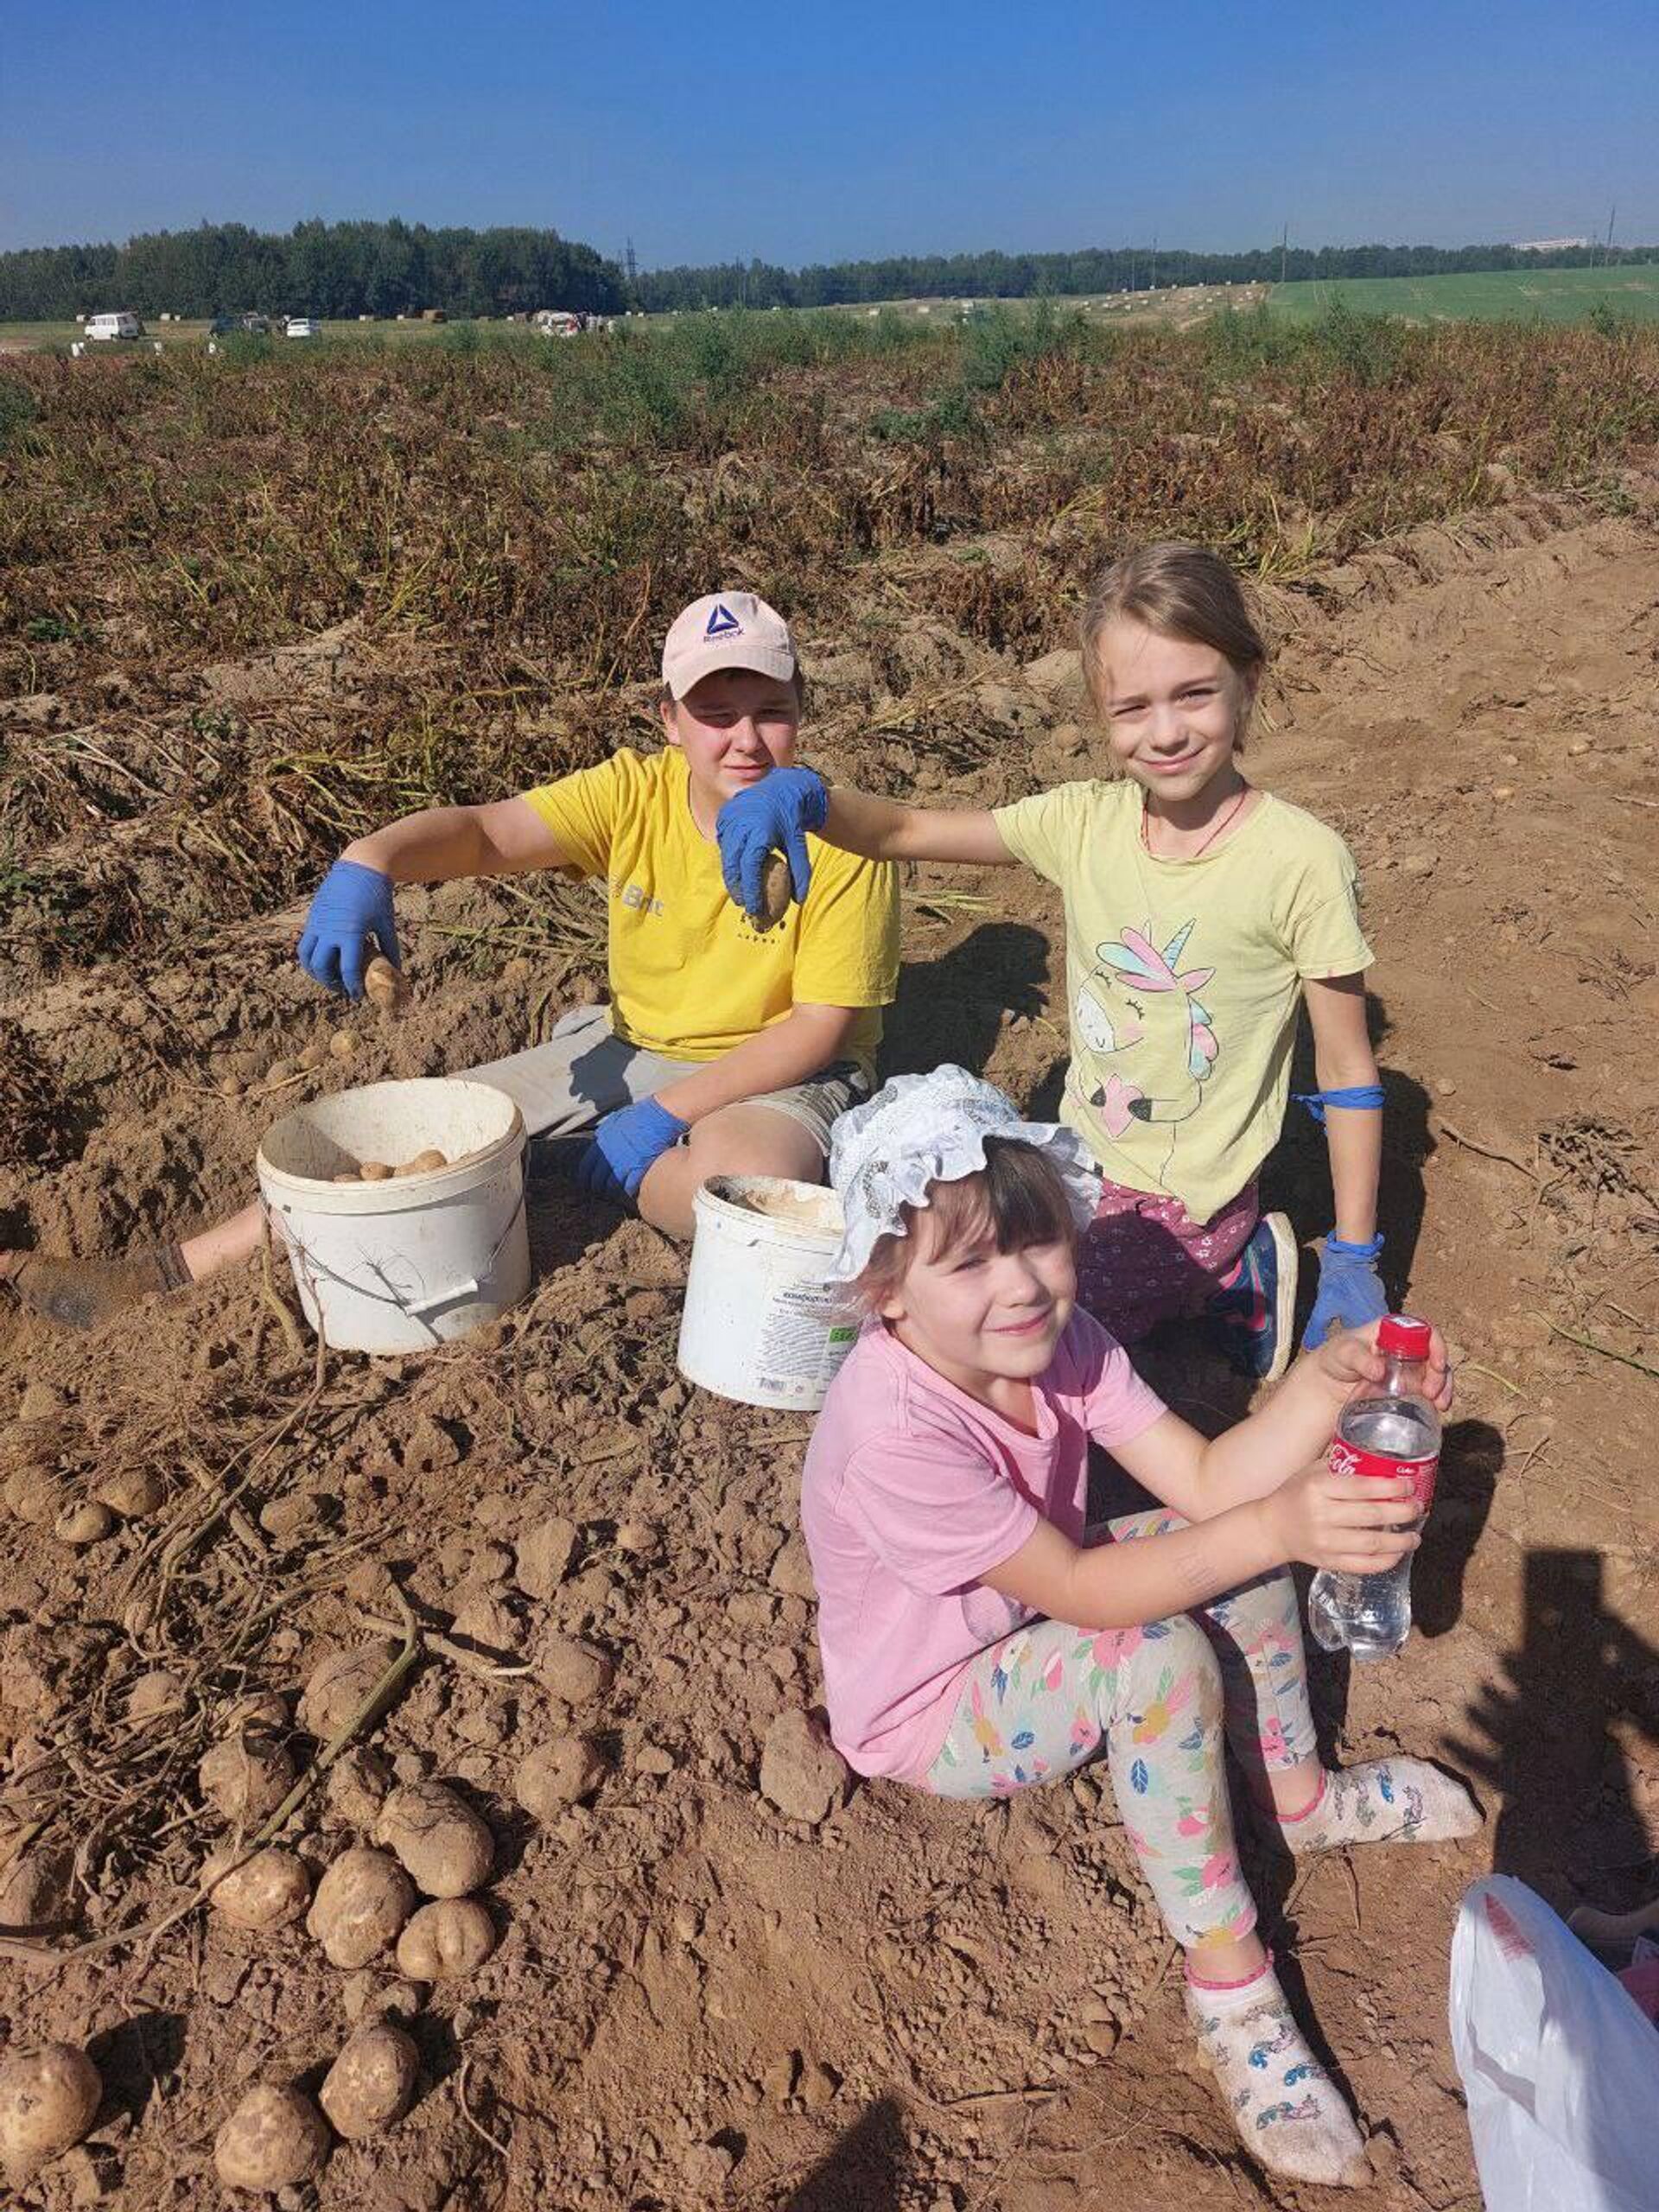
pixel 230 1086
pixel 791 1571
pixel 279 1071
pixel 83 1524
pixel 246 1777
pixel 272 1888
pixel 557 1774
pixel 36 1880
pixel 340 1685
pixel 361 1903
pixel 158 1692
pixel 424 1163
pixel 802 1773
pixel 367 2000
pixel 263 1711
pixel 372 2084
pixel 49 2098
pixel 343 1044
pixel 41 1402
pixel 543 1555
pixel 776 890
pixel 574 1671
pixel 276 2138
pixel 374 1171
pixel 384 985
pixel 446 1941
pixel 133 1493
pixel 441 1842
pixel 35 1496
pixel 485 1619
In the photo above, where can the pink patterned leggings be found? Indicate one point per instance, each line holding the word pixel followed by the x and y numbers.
pixel 1143 1260
pixel 1162 1702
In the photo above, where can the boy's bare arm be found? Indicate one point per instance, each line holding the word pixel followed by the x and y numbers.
pixel 885 829
pixel 808 1038
pixel 506 837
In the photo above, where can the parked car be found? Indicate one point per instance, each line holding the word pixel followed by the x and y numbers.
pixel 304 326
pixel 125 324
pixel 233 326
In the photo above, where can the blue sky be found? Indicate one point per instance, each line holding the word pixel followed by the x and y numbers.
pixel 809 132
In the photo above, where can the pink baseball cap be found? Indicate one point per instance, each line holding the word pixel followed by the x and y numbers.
pixel 728 629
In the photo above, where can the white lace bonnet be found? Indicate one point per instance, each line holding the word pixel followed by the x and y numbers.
pixel 921 1129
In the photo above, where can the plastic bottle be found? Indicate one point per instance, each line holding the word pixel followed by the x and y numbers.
pixel 1394 1430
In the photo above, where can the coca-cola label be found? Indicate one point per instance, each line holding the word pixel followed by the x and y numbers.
pixel 1382 1467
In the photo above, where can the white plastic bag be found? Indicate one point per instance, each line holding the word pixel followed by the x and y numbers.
pixel 1560 2068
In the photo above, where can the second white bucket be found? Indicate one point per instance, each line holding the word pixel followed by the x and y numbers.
pixel 401 1265
pixel 761 1323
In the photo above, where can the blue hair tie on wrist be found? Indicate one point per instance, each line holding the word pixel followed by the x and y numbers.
pixel 1370 1250
pixel 1357 1098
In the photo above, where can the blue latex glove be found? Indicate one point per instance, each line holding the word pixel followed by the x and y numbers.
pixel 352 903
pixel 1350 1290
pixel 772 816
pixel 614 1163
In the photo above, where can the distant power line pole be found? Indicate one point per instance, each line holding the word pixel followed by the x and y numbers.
pixel 1284 251
pixel 1612 213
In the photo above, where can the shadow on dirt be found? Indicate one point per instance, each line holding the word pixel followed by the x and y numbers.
pixel 862 2170
pixel 1541 1735
pixel 952 1008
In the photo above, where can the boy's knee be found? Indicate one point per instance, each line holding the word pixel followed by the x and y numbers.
pixel 748 1139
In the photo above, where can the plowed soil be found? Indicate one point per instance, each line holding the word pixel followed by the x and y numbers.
pixel 697 2002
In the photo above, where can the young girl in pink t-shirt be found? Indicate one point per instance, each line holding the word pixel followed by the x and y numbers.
pixel 977 1639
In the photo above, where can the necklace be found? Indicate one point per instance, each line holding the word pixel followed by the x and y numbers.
pixel 1146 840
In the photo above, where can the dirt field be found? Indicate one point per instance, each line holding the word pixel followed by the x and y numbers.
pixel 697 2001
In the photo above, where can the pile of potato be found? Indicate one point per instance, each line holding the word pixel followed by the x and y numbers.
pixel 408 1890
pixel 378 1170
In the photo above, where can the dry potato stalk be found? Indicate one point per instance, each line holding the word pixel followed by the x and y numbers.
pixel 441 1842
pixel 49 2098
pixel 445 1941
pixel 372 2084
pixel 276 2138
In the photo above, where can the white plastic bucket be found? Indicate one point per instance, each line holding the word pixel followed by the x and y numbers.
pixel 401 1265
pixel 761 1324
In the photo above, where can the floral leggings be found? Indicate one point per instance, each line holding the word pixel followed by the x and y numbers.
pixel 1162 1701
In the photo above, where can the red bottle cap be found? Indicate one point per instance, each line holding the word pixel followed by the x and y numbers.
pixel 1406 1338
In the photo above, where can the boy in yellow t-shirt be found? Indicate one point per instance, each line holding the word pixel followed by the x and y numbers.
pixel 728 1047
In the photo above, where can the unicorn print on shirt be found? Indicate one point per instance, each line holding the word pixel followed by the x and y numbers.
pixel 1148 1046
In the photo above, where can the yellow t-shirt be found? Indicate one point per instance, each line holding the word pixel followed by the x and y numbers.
pixel 690 975
pixel 1183 979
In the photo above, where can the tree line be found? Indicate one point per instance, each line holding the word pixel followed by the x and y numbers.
pixel 324 269
pixel 342 270
pixel 1096 268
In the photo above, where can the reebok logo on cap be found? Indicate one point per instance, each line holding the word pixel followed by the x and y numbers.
pixel 728 629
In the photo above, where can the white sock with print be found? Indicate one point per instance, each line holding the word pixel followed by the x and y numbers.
pixel 1289 2113
pixel 1384 1801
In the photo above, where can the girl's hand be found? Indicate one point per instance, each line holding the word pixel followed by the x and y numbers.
pixel 1349 1361
pixel 1350 1524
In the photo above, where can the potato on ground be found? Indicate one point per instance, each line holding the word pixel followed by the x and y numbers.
pixel 276 2138
pixel 361 1903
pixel 246 1777
pixel 445 1941
pixel 446 1848
pixel 268 1891
pixel 340 1685
pixel 372 2084
pixel 49 2098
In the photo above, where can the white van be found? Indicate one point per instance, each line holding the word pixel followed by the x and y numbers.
pixel 125 324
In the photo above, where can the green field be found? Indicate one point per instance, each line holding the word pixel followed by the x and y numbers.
pixel 1492 295
pixel 36 336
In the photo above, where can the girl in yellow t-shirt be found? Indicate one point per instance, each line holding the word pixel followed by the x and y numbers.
pixel 1201 912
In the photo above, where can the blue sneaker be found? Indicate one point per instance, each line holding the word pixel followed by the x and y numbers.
pixel 1251 1319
